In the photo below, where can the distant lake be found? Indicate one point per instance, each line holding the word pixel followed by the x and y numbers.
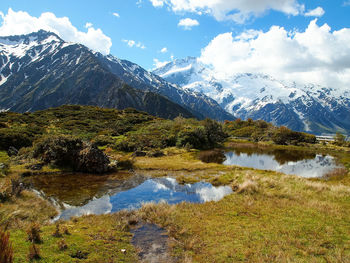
pixel 294 162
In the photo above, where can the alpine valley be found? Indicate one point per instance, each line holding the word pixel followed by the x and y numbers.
pixel 40 70
pixel 309 108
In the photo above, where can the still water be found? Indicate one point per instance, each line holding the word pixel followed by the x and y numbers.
pixel 301 163
pixel 151 190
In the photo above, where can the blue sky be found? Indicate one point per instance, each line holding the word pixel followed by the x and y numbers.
pixel 154 24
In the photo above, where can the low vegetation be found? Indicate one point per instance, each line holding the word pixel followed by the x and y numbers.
pixel 262 131
pixel 270 217
pixel 6 250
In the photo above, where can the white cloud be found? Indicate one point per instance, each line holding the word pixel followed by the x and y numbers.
pixel 133 43
pixel 346 3
pixel 317 12
pixel 157 63
pixel 158 3
pixel 317 55
pixel 116 14
pixel 237 10
pixel 188 23
pixel 164 50
pixel 87 25
pixel 18 23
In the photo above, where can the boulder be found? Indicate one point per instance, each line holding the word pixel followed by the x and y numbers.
pixel 92 160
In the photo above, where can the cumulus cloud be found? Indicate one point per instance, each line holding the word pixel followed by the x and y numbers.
pixel 18 23
pixel 133 43
pixel 317 12
pixel 188 23
pixel 317 55
pixel 164 50
pixel 237 10
pixel 116 14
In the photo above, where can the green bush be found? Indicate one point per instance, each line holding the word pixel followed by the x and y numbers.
pixel 71 152
pixel 285 136
pixel 18 139
pixel 339 139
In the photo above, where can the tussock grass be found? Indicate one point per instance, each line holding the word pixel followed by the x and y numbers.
pixel 270 217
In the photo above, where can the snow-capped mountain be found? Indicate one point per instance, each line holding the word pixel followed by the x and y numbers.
pixel 310 107
pixel 41 70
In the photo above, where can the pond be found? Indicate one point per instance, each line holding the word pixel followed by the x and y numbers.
pixel 130 193
pixel 293 162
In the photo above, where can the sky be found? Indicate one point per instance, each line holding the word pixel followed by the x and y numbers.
pixel 293 39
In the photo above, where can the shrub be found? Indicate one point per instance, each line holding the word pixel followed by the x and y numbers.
pixel 214 133
pixel 59 150
pixel 193 137
pixel 285 136
pixel 33 233
pixel 10 137
pixel 339 139
pixel 67 151
pixel 6 251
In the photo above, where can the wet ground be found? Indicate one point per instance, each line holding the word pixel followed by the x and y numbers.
pixel 152 244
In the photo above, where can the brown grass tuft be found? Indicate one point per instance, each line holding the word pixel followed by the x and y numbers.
pixel 6 251
pixel 57 232
pixel 62 245
pixel 248 187
pixel 34 233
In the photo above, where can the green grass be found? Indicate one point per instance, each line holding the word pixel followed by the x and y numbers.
pixel 101 237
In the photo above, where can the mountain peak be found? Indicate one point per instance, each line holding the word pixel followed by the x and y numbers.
pixel 40 37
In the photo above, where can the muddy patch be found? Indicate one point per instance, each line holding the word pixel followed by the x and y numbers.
pixel 152 242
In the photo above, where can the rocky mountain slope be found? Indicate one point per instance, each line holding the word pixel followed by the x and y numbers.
pixel 309 108
pixel 40 70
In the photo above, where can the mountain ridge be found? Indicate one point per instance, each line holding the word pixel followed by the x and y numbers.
pixel 40 70
pixel 309 108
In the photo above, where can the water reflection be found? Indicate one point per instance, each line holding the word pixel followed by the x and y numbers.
pixel 299 163
pixel 78 189
pixel 152 190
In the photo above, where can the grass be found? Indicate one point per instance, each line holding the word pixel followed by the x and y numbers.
pixel 90 238
pixel 19 212
pixel 270 218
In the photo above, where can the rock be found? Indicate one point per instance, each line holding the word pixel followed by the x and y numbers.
pixel 92 160
pixel 12 151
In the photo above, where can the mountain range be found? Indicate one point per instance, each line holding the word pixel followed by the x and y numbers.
pixel 310 108
pixel 40 70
